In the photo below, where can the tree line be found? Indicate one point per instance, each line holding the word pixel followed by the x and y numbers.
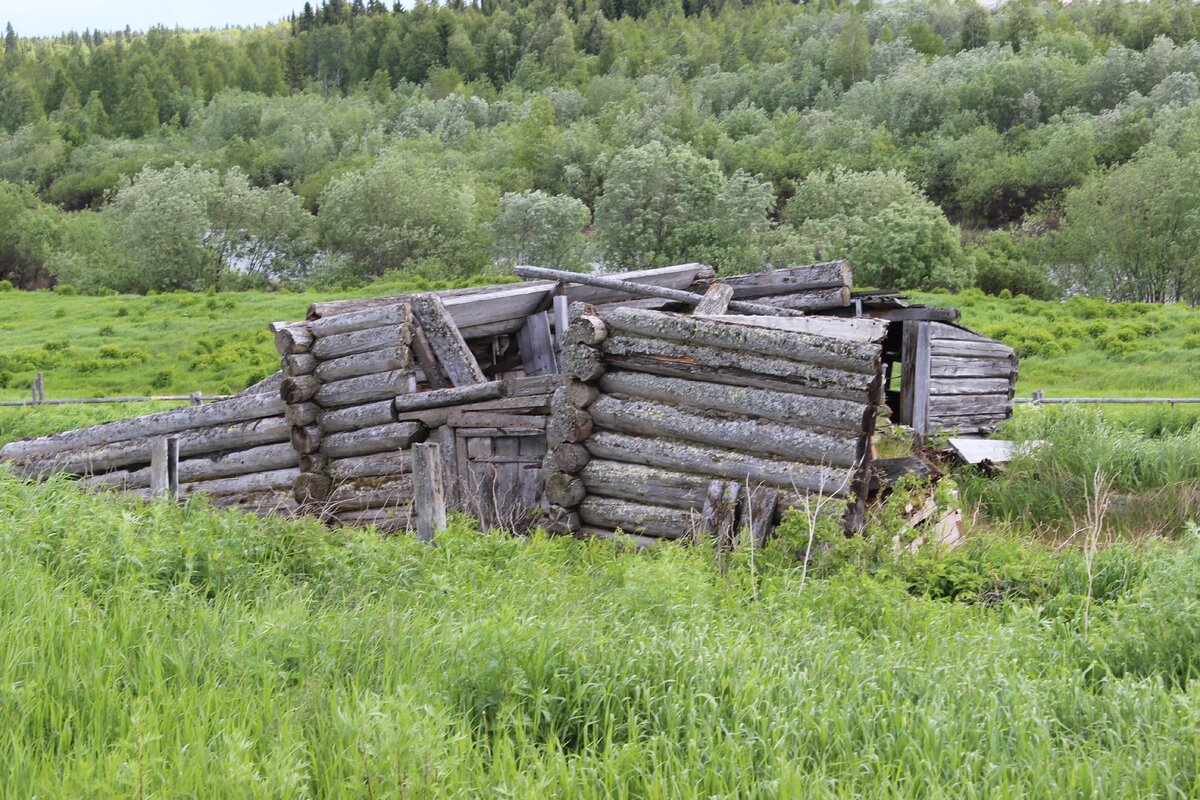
pixel 1037 148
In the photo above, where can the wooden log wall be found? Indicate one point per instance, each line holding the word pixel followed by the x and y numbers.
pixel 681 427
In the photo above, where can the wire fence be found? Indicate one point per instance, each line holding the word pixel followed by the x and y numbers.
pixel 1039 398
pixel 37 397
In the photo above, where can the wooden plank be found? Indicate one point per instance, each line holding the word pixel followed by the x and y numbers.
pixel 826 275
pixel 435 417
pixel 941 332
pixel 970 404
pixel 974 451
pixel 951 367
pixel 954 386
pixel 164 467
pixel 523 387
pixel 915 313
pixel 720 508
pixel 536 345
pixel 561 308
pixel 447 344
pixel 445 438
pixel 716 299
pixel 757 516
pixel 969 348
pixel 429 497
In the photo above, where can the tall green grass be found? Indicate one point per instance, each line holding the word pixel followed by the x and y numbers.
pixel 169 652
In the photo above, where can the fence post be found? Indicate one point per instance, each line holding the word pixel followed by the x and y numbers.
pixel 41 388
pixel 1038 395
pixel 164 467
pixel 429 496
pixel 196 401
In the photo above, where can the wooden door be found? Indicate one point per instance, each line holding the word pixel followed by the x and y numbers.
pixel 501 476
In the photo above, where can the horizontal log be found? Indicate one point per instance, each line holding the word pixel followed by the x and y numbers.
pixel 106 457
pixel 388 520
pixel 531 385
pixel 367 415
pixel 268 385
pixel 805 348
pixel 269 503
pixel 678 359
pixel 299 364
pixel 299 389
pixel 637 518
pixel 361 341
pixel 436 417
pixel 273 480
pixel 391 462
pixel 392 314
pixel 242 462
pixel 566 457
pixel 941 331
pixel 365 389
pixel 236 409
pixel 649 418
pixel 951 386
pixel 622 540
pixel 371 362
pixel 492 419
pixel 377 439
pixel 638 483
pixel 720 462
pixel 785 407
pixel 292 338
pixel 826 275
pixel 362 494
pixel 861 330
pixel 301 414
pixel 454 396
pixel 813 300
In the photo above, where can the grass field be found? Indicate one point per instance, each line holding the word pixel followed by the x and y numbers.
pixel 155 651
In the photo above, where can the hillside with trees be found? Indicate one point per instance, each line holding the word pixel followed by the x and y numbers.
pixel 1038 148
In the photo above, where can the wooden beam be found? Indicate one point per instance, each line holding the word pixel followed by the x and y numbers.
pixel 446 342
pixel 716 299
pixel 536 345
pixel 164 467
pixel 429 496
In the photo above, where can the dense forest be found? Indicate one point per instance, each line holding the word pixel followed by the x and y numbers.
pixel 1038 148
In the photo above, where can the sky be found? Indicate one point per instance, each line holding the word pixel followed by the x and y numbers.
pixel 51 17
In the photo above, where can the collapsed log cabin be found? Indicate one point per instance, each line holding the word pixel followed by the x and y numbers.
pixel 660 404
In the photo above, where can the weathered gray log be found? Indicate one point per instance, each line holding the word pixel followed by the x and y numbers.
pixel 448 345
pixel 394 313
pixel 862 330
pixel 388 520
pixel 566 457
pixel 536 345
pixel 361 341
pixel 292 338
pixel 454 396
pixel 641 484
pixel 435 417
pixel 716 299
pixel 678 359
pixel 365 389
pixel 269 384
pixel 242 484
pixel 623 541
pixel 371 362
pixel 566 424
pixel 642 290
pixel 427 359
pixel 237 409
pixel 649 418
pixel 299 389
pixel 493 419
pixel 429 496
pixel 375 465
pixel 608 512
pixel 945 386
pixel 314 462
pixel 941 331
pixel 813 300
pixel 164 467
pixel 557 519
pixel 582 362
pixel 807 348
pixel 268 503
pixel 301 414
pixel 299 364
pixel 757 516
pixel 720 509
pixel 311 489
pixel 524 387
pixel 953 367
pixel 306 439
pixel 584 327
pixel 715 461
pixel 560 313
pixel 370 493
pixel 267 458
pixel 377 439
pixel 105 457
pixel 577 393
pixel 793 409
pixel 564 490
pixel 827 275
pixel 367 415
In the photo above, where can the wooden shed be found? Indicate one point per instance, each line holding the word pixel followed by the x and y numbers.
pixel 665 403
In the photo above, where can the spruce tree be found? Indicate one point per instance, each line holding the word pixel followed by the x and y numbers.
pixel 10 40
pixel 140 110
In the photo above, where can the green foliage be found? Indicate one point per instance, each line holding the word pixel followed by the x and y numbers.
pixel 536 228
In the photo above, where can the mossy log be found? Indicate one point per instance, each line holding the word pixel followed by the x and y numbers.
pixel 378 439
pixel 372 362
pixel 352 418
pixel 340 345
pixel 365 389
pixel 637 518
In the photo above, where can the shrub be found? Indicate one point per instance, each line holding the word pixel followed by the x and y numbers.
pixel 162 379
pixel 107 330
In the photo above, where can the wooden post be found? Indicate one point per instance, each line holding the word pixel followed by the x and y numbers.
pixel 41 388
pixel 164 467
pixel 429 497
pixel 196 401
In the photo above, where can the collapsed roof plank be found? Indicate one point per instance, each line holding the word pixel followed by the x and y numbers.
pixel 452 353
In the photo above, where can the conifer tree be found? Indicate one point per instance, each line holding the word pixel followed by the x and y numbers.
pixel 140 110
